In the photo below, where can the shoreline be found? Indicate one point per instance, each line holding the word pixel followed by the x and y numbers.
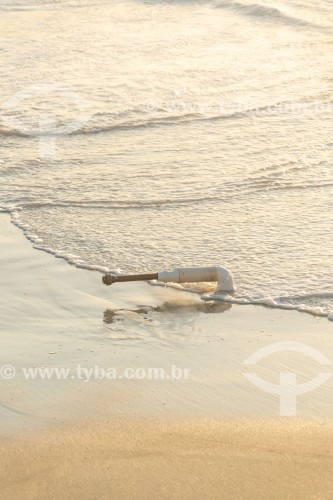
pixel 57 316
pixel 14 215
pixel 213 433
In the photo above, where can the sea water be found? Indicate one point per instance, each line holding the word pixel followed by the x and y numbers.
pixel 143 135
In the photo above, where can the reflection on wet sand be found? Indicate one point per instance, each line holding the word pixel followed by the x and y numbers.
pixel 112 315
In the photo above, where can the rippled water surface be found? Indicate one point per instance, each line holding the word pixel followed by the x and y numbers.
pixel 142 135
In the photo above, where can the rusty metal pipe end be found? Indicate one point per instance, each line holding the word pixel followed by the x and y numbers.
pixel 108 279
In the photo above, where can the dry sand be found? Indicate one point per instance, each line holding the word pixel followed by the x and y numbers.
pixel 212 435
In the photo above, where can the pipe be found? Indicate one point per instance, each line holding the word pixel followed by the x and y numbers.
pixel 220 274
pixel 109 279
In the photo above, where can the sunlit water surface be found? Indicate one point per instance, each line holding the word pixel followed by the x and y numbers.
pixel 144 135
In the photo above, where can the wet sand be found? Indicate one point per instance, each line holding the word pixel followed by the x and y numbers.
pixel 211 435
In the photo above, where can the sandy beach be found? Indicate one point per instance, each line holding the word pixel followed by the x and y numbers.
pixel 209 433
pixel 162 137
pixel 205 459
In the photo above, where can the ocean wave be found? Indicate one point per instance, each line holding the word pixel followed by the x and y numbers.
pixel 231 190
pixel 317 304
pixel 265 12
pixel 34 5
pixel 166 120
pixel 11 133
pixel 311 303
pixel 116 204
